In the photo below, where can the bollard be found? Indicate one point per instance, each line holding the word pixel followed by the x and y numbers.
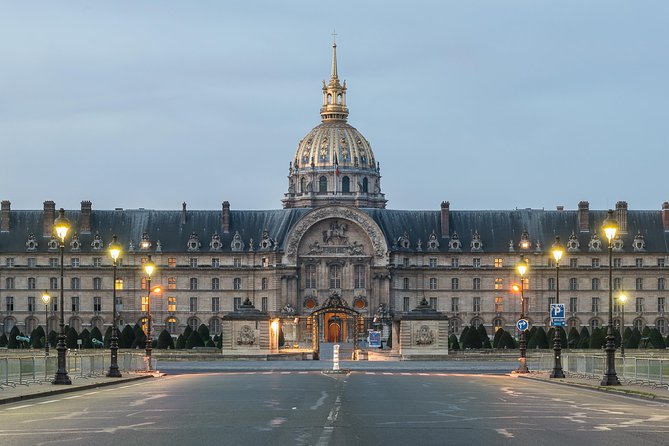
pixel 335 358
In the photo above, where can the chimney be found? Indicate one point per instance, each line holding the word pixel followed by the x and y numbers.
pixel 445 228
pixel 48 217
pixel 85 222
pixel 583 216
pixel 4 219
pixel 183 213
pixel 621 216
pixel 665 216
pixel 225 217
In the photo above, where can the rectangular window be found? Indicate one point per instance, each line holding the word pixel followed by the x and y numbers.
pixel 264 283
pixel 405 283
pixel 405 262
pixel 359 276
pixel 455 304
pixel 9 303
pixel 263 304
pixel 192 262
pixel 32 262
pixel 617 263
pixel 75 304
pixel 660 304
pixel 97 262
pixel 573 284
pixel 455 262
pixel 264 262
pixel 97 304
pixel 595 305
pixel 526 283
pixel 237 262
pixel 215 283
pixel 9 262
pixel 595 262
pixel 476 262
pixel 31 303
pixel 215 304
pixel 97 283
pixel 192 282
pixel 53 283
pixel 455 284
pixel 476 304
pixel 551 283
pixel 573 263
pixel 499 283
pixel 551 300
pixel 171 262
pixel 617 283
pixel 406 305
pixel 75 283
pixel 433 283
pixel 498 262
pixel 476 283
pixel 74 261
pixel 595 284
pixel 193 304
pixel 53 262
pixel 660 262
pixel 9 283
pixel 310 276
pixel 661 283
pixel 144 302
pixel 32 283
pixel 171 283
pixel 551 263
pixel 119 284
pixel 638 262
pixel 172 304
pixel 215 262
pixel 236 283
pixel 335 276
pixel 54 304
pixel 499 304
pixel 639 305
pixel 433 303
pixel 638 284
pixel 573 305
pixel 433 262
pixel 237 302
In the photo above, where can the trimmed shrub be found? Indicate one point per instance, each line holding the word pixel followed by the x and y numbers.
pixel 127 337
pixel 12 342
pixel 453 343
pixel 96 334
pixel 210 343
pixel 194 340
pixel 140 338
pixel 3 340
pixel 473 339
pixel 85 337
pixel 539 340
pixel 463 335
pixel 53 338
pixel 627 334
pixel 37 337
pixel 486 344
pixel 165 340
pixel 635 338
pixel 506 341
pixel 181 342
pixel 598 338
pixel 108 335
pixel 656 340
pixel 483 334
pixel 282 338
pixel 71 338
pixel 203 331
pixel 495 339
pixel 573 338
pixel 187 332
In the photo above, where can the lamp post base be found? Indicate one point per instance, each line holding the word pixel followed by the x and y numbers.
pixel 610 380
pixel 522 367
pixel 62 378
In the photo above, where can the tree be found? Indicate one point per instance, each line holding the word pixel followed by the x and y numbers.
pixel 13 343
pixel 71 338
pixel 473 339
pixel 627 334
pixel 165 340
pixel 634 338
pixel 573 338
pixel 453 343
pixel 656 340
pixel 187 332
pixel 194 340
pixel 181 342
pixel 495 339
pixel 539 340
pixel 127 337
pixel 96 334
pixel 37 337
pixel 506 341
pixel 3 340
pixel 85 337
pixel 483 333
pixel 203 331
pixel 598 338
pixel 463 335
pixel 140 337
pixel 551 337
pixel 53 338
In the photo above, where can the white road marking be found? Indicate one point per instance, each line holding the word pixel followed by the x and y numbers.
pixel 505 433
pixel 320 400
pixel 324 439
pixel 49 402
pixel 72 397
pixel 20 407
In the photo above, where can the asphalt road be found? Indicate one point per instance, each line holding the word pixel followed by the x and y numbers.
pixel 311 408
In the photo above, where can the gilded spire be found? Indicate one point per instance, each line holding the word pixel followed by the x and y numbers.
pixel 334 94
pixel 334 56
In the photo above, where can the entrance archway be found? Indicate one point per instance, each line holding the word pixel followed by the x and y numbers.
pixel 335 312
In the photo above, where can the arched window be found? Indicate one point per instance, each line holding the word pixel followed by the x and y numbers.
pixel 303 185
pixel 9 324
pixel 594 324
pixel 322 185
pixel 75 323
pixel 346 185
pixel 335 276
pixel 497 324
pixel 339 99
pixel 171 325
pixel 193 323
pixel 215 326
pixel 661 325
pixel 310 276
pixel 638 324
pixel 454 325
pixel 365 185
pixel 476 322
pixel 329 98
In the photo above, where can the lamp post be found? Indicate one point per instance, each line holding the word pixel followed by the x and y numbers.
pixel 149 268
pixel 557 372
pixel 46 298
pixel 522 269
pixel 114 252
pixel 622 298
pixel 610 378
pixel 61 226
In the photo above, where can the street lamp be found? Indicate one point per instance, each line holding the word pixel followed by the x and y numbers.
pixel 622 298
pixel 114 252
pixel 62 226
pixel 46 298
pixel 557 372
pixel 149 268
pixel 610 378
pixel 522 269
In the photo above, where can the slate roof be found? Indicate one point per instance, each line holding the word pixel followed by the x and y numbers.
pixel 496 228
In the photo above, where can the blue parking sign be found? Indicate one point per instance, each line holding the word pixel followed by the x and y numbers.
pixel 557 315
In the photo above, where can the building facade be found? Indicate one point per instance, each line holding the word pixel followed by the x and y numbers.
pixel 334 236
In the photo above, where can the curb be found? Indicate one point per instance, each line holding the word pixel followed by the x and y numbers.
pixel 70 389
pixel 649 396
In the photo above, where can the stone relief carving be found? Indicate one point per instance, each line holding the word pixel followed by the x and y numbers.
pixel 336 234
pixel 424 336
pixel 246 336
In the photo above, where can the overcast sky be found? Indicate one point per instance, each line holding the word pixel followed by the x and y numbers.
pixel 488 104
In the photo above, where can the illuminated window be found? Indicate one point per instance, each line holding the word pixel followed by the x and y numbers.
pixel 144 303
pixel 499 283
pixel 172 263
pixel 171 304
pixel 499 304
pixel 171 283
pixel 119 284
pixel 171 325
pixel 498 262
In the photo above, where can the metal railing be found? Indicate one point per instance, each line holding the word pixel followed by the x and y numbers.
pixel 25 370
pixel 632 370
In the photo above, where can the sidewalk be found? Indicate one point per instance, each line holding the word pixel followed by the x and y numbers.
pixel 654 393
pixel 10 394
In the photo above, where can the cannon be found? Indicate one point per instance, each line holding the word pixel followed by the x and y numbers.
pixel 23 338
pixel 97 342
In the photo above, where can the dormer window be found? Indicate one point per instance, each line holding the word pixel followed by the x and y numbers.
pixel 454 244
pixel 31 244
pixel 573 244
pixel 215 244
pixel 193 242
pixel 639 244
pixel 404 242
pixel 97 243
pixel 618 244
pixel 237 244
pixel 432 242
pixel 75 244
pixel 595 244
pixel 476 244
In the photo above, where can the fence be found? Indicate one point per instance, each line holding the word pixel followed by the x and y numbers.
pixel 633 370
pixel 40 369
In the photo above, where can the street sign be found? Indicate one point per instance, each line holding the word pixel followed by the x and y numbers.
pixel 557 315
pixel 523 324
pixel 375 339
